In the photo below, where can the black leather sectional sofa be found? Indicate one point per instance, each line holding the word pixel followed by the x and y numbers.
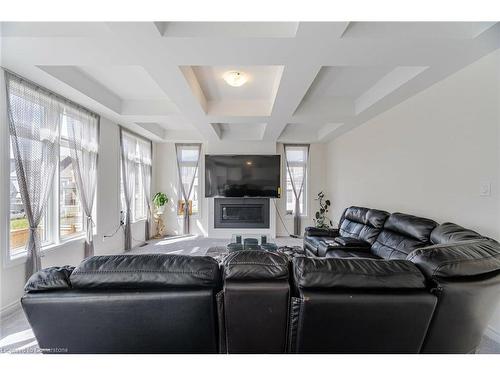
pixel 418 287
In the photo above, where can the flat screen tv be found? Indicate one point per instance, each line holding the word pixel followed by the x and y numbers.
pixel 242 176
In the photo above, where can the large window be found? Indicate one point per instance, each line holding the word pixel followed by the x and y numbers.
pixel 188 162
pixel 297 169
pixel 139 207
pixel 63 217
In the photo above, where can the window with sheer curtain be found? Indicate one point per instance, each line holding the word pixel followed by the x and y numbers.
pixel 188 164
pixel 39 123
pixel 138 201
pixel 297 161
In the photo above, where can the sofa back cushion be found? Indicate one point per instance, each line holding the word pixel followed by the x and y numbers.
pixel 145 271
pixel 362 223
pixel 330 273
pixel 255 265
pixel 401 235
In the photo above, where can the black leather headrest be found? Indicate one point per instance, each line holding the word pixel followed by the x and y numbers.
pixel 449 232
pixel 415 227
pixel 255 265
pixel 367 216
pixel 460 259
pixel 356 274
pixel 146 271
pixel 51 278
pixel 357 214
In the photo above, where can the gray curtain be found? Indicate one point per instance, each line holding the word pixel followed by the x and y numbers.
pixel 186 177
pixel 83 136
pixel 297 179
pixel 34 122
pixel 145 156
pixel 129 172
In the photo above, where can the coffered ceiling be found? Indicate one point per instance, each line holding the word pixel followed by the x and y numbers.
pixel 307 82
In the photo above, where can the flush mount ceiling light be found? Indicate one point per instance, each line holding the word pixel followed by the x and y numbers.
pixel 234 78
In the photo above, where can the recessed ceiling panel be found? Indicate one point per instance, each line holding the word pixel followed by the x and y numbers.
pixel 259 86
pixel 347 81
pixel 128 82
pixel 254 98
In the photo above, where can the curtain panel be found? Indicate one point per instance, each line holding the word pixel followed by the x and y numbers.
pixel 34 117
pixel 145 159
pixel 130 169
pixel 83 139
pixel 297 179
pixel 187 176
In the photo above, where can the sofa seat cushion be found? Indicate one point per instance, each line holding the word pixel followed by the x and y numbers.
pixel 146 271
pixel 352 242
pixel 322 273
pixel 450 232
pixel 255 265
pixel 459 259
pixel 51 278
pixel 314 242
pixel 348 253
pixel 401 235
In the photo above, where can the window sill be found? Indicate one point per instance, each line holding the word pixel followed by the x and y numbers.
pixel 139 221
pixel 20 258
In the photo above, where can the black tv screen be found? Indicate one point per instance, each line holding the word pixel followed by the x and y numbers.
pixel 242 176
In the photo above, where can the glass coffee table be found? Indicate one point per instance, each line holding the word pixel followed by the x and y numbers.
pixel 251 242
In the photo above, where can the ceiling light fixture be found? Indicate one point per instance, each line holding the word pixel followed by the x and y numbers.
pixel 234 78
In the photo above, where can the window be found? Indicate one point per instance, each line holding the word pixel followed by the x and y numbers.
pixel 139 207
pixel 188 164
pixel 63 218
pixel 297 169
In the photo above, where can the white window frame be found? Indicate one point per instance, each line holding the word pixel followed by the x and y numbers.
pixel 304 195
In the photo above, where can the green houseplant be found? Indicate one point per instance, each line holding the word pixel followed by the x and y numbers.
pixel 321 219
pixel 159 201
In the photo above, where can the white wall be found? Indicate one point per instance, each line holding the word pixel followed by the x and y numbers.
pixel 107 207
pixel 428 155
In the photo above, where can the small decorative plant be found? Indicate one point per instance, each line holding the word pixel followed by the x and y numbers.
pixel 321 220
pixel 160 199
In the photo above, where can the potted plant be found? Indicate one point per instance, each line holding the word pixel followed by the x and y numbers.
pixel 321 220
pixel 159 201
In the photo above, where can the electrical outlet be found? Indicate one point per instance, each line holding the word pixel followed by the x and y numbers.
pixel 485 189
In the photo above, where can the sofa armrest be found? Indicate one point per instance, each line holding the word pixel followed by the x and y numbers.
pixel 460 259
pixel 320 232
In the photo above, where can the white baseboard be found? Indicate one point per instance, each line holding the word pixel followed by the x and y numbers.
pixel 492 333
pixel 10 308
